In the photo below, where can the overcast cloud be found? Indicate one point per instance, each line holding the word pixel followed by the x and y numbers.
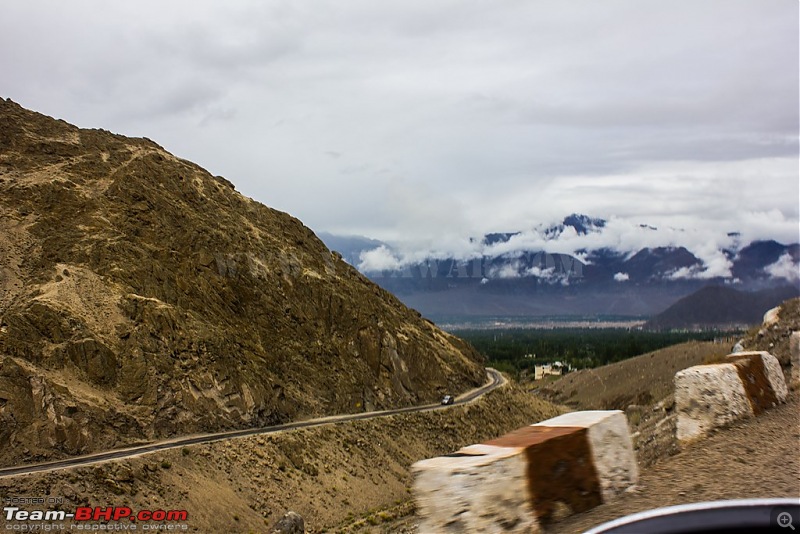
pixel 430 122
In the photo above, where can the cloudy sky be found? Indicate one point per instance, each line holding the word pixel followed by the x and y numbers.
pixel 429 122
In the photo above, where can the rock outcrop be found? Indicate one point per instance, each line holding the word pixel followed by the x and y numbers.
pixel 141 297
pixel 290 523
pixel 775 332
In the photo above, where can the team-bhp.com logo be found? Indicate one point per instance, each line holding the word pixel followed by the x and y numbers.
pixel 147 519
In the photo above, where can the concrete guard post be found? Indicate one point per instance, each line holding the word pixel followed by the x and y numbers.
pixel 711 396
pixel 611 446
pixel 762 377
pixel 517 482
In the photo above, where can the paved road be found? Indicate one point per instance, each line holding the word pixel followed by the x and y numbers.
pixel 495 381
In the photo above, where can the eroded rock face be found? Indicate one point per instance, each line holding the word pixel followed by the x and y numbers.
pixel 38 414
pixel 149 298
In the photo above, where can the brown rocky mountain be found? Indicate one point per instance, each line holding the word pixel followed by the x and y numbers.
pixel 720 307
pixel 141 297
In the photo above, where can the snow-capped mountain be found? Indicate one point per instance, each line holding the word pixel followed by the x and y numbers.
pixel 580 266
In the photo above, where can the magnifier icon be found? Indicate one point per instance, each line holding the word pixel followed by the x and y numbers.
pixel 785 520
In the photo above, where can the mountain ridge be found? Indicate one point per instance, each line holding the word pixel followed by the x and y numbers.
pixel 720 307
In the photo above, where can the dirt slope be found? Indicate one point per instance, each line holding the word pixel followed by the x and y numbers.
pixel 645 379
pixel 141 297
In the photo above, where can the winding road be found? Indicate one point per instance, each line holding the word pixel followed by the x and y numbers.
pixel 495 381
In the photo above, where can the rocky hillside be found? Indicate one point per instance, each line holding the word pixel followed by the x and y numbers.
pixel 141 297
pixel 773 336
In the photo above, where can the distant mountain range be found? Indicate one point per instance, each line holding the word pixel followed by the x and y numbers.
pixel 512 275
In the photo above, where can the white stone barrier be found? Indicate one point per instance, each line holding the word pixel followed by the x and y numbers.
pixel 711 396
pixel 519 481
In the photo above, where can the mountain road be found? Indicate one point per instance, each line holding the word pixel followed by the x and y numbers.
pixel 495 380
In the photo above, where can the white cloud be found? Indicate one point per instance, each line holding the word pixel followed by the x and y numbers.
pixel 623 236
pixel 430 122
pixel 785 268
pixel 627 237
pixel 539 272
pixel 621 277
pixel 379 259
pixel 689 273
pixel 505 270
